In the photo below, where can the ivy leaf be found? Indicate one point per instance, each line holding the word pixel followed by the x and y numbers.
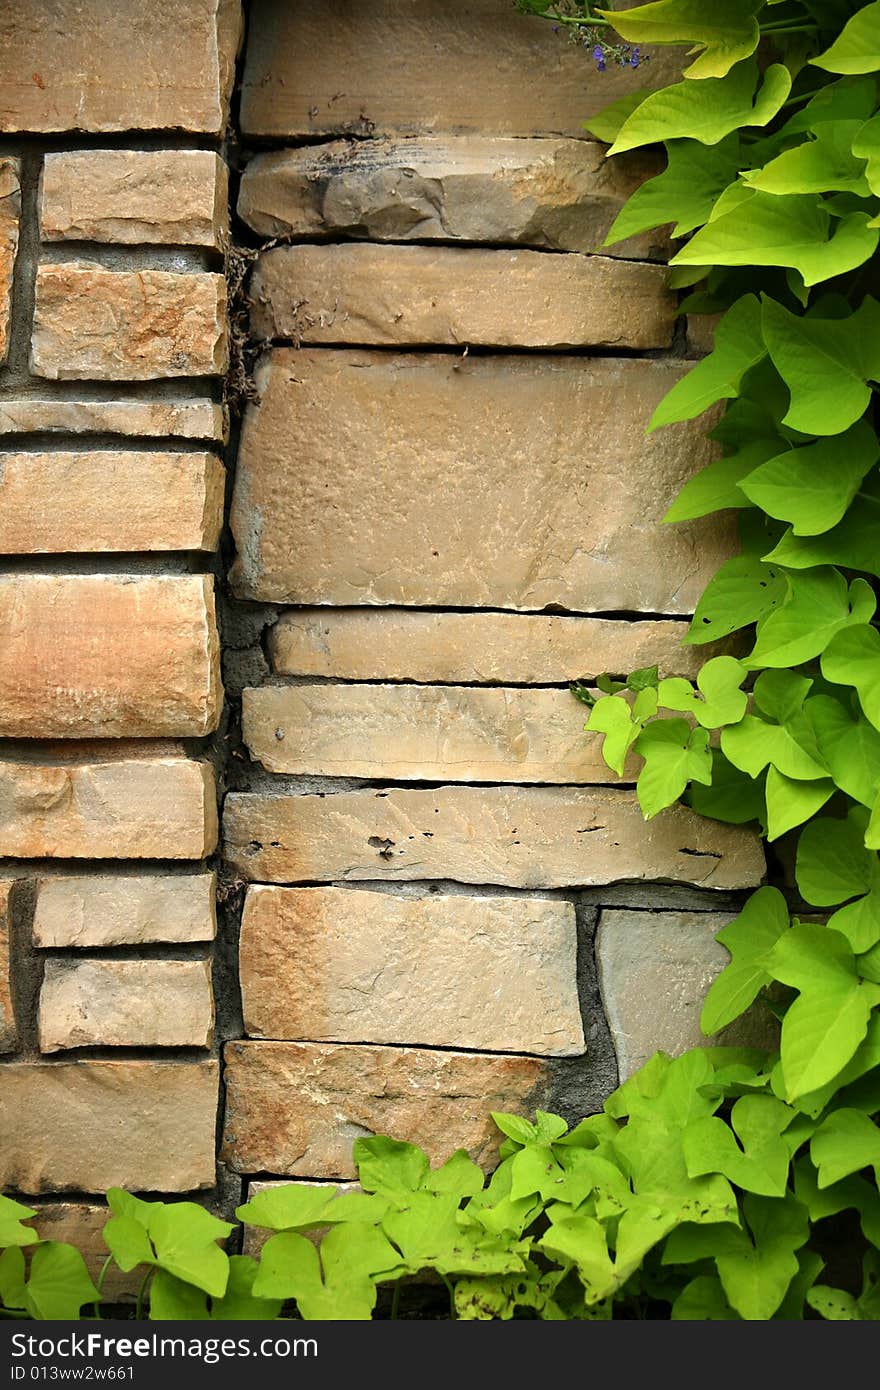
pixel 128 1242
pixel 581 1239
pixel 761 1164
pixel 828 163
pixel 675 754
pixel 390 1168
pixel 780 694
pixel 297 1206
pixel 733 796
pixel 791 802
pixel 847 1141
pixel 428 1235
pixel 739 346
pixel 607 123
pixel 754 744
pixel 516 1127
pixel 743 591
pixel 12 1232
pixel 857 48
pixel 706 110
pixel 853 658
pixel 12 1278
pixel 239 1304
pixel 812 487
pixel 832 862
pixel 719 683
pixel 849 746
pixel 703 1300
pixel 748 939
pixel 716 487
pixel 853 543
pixel 337 1285
pixel 683 194
pixel 795 230
pixel 459 1175
pixel 613 717
pixel 819 605
pixel 727 32
pixel 58 1283
pixel 826 364
pixel 756 1277
pixel 184 1236
pixel 866 145
pixel 174 1300
pixel 828 1020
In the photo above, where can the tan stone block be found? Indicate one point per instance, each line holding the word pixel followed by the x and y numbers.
pixel 125 1003
pixel 377 478
pixel 10 214
pixel 123 804
pixel 701 333
pixel 526 648
pixel 410 66
pixel 144 1125
pixel 109 500
pixel 558 194
pixel 82 1224
pixel 493 974
pixel 518 837
pixel 127 325
pixel 254 1238
pixel 124 909
pixel 8 1029
pixel 101 66
pixel 107 656
pixel 170 197
pixel 654 971
pixel 295 1109
pixel 413 295
pixel 196 419
pixel 423 733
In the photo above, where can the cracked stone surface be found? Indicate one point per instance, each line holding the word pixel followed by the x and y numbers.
pixel 525 648
pixel 413 295
pixel 399 67
pixel 101 66
pixel 295 1109
pixel 149 1125
pixel 127 325
pixel 170 197
pixel 423 733
pixel 520 837
pixel 105 656
pixel 349 965
pixel 109 500
pixel 126 803
pixel 124 909
pixel 8 1029
pixel 376 478
pixel 125 1003
pixel 10 213
pixel 557 194
pixel 654 971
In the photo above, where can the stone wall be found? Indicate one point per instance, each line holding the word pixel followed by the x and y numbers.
pixel 434 900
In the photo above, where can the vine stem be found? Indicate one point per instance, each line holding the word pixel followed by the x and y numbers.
pixel 100 1284
pixel 451 1291
pixel 139 1306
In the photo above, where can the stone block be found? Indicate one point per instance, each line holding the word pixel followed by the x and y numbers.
pixel 10 215
pixel 124 909
pixel 125 1003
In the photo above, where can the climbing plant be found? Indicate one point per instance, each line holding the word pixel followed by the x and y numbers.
pixel 772 186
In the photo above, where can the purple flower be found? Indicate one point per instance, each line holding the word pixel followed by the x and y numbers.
pixel 599 53
pixel 634 60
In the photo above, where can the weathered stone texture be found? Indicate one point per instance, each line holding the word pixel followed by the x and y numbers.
pixel 654 971
pixel 172 197
pixel 8 1029
pixel 127 325
pixel 109 500
pixel 423 733
pixel 124 804
pixel 102 66
pixel 557 194
pixel 105 656
pixel 10 213
pixel 412 66
pixel 525 648
pixel 348 965
pixel 518 837
pixel 372 478
pixel 296 1108
pixel 126 1003
pixel 124 910
pixel 196 419
pixel 413 295
pixel 81 1224
pixel 86 1126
